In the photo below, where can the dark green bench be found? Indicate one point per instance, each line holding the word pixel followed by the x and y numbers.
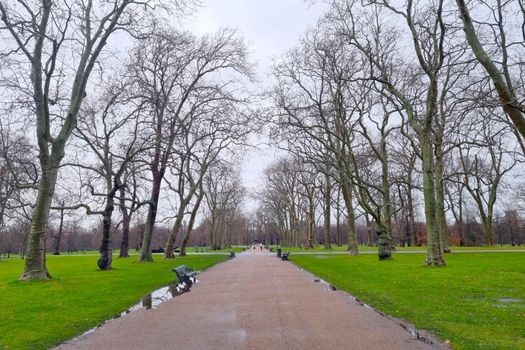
pixel 284 257
pixel 186 275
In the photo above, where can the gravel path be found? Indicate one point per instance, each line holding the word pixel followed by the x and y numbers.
pixel 254 301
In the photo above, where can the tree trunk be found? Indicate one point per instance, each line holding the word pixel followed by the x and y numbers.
pixel 461 222
pixel 489 236
pixel 172 237
pixel 35 255
pixel 293 226
pixel 407 229
pixel 348 199
pixel 338 224
pixel 411 216
pixel 410 202
pixel 370 243
pixel 327 215
pixel 105 259
pixel 186 237
pixel 126 220
pixel 106 253
pixel 440 201
pixel 385 188
pixel 434 252
pixel 383 249
pixel 58 237
pixel 145 253
pixel 311 220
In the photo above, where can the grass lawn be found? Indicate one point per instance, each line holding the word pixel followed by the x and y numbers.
pixel 134 252
pixel 336 248
pixel 459 302
pixel 37 315
pixel 236 249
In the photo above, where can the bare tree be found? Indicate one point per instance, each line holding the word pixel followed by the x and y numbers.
pixel 224 196
pixel 309 180
pixel 314 112
pixel 178 76
pixel 191 223
pixel 218 128
pixel 427 28
pixel 110 129
pixel 129 203
pixel 500 53
pixel 18 172
pixel 484 169
pixel 44 36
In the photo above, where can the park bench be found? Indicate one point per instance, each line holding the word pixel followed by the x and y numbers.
pixel 186 275
pixel 284 257
pixel 232 255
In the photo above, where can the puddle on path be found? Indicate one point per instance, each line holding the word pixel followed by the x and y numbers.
pixel 150 301
pixel 155 298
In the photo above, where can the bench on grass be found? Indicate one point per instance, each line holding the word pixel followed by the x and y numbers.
pixel 186 275
pixel 232 255
pixel 284 257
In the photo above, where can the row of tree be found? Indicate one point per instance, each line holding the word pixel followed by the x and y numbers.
pixel 106 107
pixel 112 111
pixel 382 101
pixel 297 208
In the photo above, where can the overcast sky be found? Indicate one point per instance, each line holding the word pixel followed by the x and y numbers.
pixel 270 28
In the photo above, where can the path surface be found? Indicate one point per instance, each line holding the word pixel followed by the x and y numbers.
pixel 254 301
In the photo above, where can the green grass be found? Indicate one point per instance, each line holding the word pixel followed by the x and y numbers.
pixel 335 248
pixel 493 247
pixel 236 249
pixel 134 252
pixel 459 302
pixel 37 315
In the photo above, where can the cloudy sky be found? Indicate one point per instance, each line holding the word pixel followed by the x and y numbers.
pixel 269 27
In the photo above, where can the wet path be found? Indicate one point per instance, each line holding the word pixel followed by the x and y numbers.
pixel 254 301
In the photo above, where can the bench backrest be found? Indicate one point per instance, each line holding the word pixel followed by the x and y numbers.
pixel 182 270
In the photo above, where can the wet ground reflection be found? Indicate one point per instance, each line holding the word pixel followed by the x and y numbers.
pixel 156 298
pixel 150 301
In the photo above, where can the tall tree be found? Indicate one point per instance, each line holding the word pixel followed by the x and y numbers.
pixel 178 75
pixel 43 35
pixel 427 28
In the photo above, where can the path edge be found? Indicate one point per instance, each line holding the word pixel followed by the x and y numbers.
pixel 415 334
pixel 88 332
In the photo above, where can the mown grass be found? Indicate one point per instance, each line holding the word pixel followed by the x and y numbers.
pixel 336 248
pixel 37 315
pixel 459 302
pixel 134 252
pixel 236 249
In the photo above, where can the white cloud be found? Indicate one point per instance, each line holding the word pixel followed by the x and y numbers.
pixel 270 28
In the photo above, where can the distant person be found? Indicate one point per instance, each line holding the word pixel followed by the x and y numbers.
pixel 260 246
